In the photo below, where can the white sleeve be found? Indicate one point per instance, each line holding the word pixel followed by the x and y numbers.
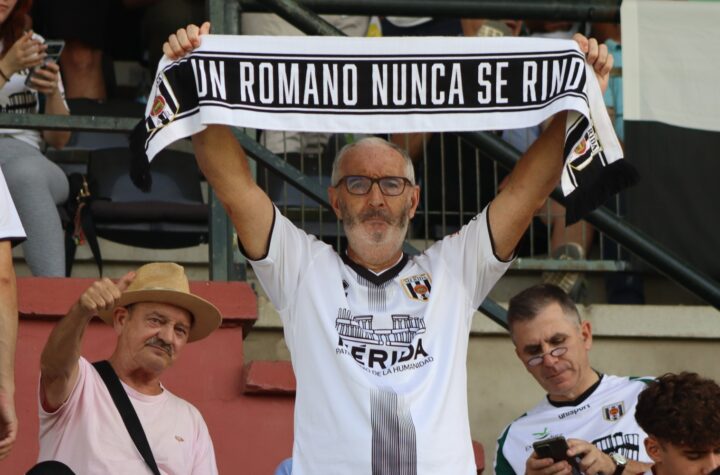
pixel 10 226
pixel 470 254
pixel 204 462
pixel 290 252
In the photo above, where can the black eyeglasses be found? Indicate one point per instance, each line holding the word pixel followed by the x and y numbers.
pixel 360 185
pixel 555 352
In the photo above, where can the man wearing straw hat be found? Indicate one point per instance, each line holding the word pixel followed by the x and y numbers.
pixel 154 315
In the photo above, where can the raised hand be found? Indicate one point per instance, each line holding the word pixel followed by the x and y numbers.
pixel 103 294
pixel 185 40
pixel 598 57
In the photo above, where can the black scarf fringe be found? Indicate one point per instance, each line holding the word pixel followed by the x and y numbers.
pixel 613 178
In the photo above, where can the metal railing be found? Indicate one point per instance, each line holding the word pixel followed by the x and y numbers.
pixel 226 262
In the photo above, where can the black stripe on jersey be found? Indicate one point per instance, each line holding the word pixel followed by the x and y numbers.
pixel 267 249
pixel 394 447
pixel 376 294
pixel 377 279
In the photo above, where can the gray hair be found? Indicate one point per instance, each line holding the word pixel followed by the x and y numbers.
pixel 526 305
pixel 409 170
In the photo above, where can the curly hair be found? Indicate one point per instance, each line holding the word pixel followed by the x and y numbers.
pixel 681 409
pixel 14 25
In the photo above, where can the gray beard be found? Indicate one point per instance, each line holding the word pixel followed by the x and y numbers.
pixel 380 246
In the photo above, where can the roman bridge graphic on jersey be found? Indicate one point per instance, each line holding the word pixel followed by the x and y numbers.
pixel 377 348
pixel 622 443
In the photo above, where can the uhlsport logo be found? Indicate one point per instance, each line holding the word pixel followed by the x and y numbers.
pixel 613 412
pixel 382 344
pixel 417 287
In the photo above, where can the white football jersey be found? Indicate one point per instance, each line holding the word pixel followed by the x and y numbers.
pixel 604 416
pixel 380 359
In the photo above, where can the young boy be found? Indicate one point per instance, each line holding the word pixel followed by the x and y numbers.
pixel 681 415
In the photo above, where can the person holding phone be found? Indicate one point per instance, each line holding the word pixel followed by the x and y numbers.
pixel 36 184
pixel 585 423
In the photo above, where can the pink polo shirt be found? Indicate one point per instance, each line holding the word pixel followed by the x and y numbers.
pixel 87 433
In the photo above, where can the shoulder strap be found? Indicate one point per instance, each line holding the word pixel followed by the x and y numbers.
pixel 127 412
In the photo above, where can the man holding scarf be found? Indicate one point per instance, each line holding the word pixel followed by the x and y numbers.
pixel 378 338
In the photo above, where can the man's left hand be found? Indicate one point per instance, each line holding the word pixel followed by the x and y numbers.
pixel 593 461
pixel 597 56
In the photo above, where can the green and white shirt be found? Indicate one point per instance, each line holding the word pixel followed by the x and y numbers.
pixel 603 415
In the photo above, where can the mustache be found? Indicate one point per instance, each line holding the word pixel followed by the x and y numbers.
pixel 159 343
pixel 375 213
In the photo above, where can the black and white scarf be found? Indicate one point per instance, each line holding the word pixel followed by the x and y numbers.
pixel 388 85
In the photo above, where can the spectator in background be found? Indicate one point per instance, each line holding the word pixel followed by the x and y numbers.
pixel 681 415
pixel 10 230
pixel 83 24
pixel 359 407
pixel 591 409
pixel 36 184
pixel 155 316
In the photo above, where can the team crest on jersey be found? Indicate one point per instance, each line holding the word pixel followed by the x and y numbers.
pixel 613 412
pixel 417 287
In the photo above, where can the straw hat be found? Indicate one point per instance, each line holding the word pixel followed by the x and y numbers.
pixel 166 282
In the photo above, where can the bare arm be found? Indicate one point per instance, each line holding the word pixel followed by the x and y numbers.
pixel 47 81
pixel 59 361
pixel 539 170
pixel 225 166
pixel 8 337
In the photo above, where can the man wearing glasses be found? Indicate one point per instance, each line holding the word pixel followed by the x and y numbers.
pixel 594 411
pixel 378 338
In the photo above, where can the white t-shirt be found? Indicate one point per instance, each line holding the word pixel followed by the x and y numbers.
pixel 605 416
pixel 17 98
pixel 10 226
pixel 380 360
pixel 88 434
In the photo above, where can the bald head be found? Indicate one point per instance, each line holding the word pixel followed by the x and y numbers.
pixel 370 142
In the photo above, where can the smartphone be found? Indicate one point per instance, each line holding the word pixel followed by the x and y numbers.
pixel 556 448
pixel 54 48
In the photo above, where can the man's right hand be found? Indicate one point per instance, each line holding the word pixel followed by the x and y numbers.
pixel 103 294
pixel 184 40
pixel 547 466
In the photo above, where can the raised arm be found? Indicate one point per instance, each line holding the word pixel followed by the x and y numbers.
pixel 538 171
pixel 8 336
pixel 225 166
pixel 59 361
